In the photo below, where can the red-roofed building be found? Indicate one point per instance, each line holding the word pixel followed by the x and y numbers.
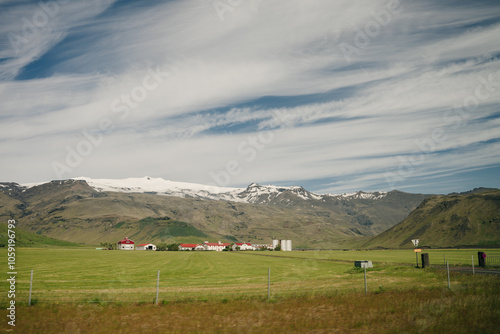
pixel 183 247
pixel 216 246
pixel 126 244
pixel 145 247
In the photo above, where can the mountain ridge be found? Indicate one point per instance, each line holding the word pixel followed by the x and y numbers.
pixel 72 210
pixel 253 193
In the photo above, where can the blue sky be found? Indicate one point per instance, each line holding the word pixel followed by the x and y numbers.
pixel 336 96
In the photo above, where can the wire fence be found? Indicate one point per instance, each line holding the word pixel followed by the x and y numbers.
pixel 493 261
pixel 163 290
pixel 152 287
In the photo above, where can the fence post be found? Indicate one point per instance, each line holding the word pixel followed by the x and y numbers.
pixel 31 286
pixel 366 287
pixel 472 264
pixel 157 286
pixel 269 283
pixel 448 272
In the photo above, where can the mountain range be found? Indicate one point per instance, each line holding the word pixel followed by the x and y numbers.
pixel 90 211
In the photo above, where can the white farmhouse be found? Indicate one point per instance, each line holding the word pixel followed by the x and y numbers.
pixel 216 246
pixel 243 246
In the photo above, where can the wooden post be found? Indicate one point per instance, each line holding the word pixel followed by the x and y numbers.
pixel 31 286
pixel 157 286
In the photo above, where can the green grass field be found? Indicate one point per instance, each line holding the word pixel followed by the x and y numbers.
pixel 78 290
pixel 93 276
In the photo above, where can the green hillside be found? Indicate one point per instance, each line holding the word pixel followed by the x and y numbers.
pixel 448 221
pixel 28 239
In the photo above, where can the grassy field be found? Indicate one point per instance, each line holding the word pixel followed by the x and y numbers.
pixel 93 276
pixel 455 257
pixel 472 307
pixel 89 291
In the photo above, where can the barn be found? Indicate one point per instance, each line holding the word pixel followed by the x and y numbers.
pixel 145 247
pixel 187 246
pixel 126 244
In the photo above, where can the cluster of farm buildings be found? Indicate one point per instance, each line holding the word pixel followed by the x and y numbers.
pixel 285 245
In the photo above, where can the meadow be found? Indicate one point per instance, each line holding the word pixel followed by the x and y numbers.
pixel 95 276
pixel 309 291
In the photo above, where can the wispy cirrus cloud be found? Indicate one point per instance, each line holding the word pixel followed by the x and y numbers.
pixel 336 124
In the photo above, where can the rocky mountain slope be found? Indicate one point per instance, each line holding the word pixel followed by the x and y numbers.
pixel 149 210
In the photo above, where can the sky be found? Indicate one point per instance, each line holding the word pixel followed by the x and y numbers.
pixel 334 96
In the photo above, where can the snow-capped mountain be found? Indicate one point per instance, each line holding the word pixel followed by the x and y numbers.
pixel 163 187
pixel 60 207
pixel 360 195
pixel 254 193
pixel 257 194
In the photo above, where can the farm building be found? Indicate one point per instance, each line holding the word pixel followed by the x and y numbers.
pixel 216 246
pixel 262 246
pixel 126 244
pixel 243 246
pixel 145 247
pixel 183 247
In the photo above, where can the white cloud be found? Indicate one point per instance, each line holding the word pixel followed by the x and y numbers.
pixel 29 30
pixel 391 96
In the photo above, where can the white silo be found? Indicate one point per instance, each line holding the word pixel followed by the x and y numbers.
pixel 283 245
pixel 275 243
pixel 289 245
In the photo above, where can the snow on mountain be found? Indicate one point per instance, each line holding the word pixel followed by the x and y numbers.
pixel 163 187
pixel 254 193
pixel 258 194
pixel 360 195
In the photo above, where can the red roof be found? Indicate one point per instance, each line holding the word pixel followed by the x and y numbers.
pixel 189 245
pixel 126 241
pixel 243 243
pixel 143 245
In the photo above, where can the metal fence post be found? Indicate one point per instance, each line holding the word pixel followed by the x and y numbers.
pixel 472 264
pixel 157 286
pixel 31 287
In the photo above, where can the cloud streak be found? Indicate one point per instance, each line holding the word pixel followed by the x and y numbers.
pixel 423 91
